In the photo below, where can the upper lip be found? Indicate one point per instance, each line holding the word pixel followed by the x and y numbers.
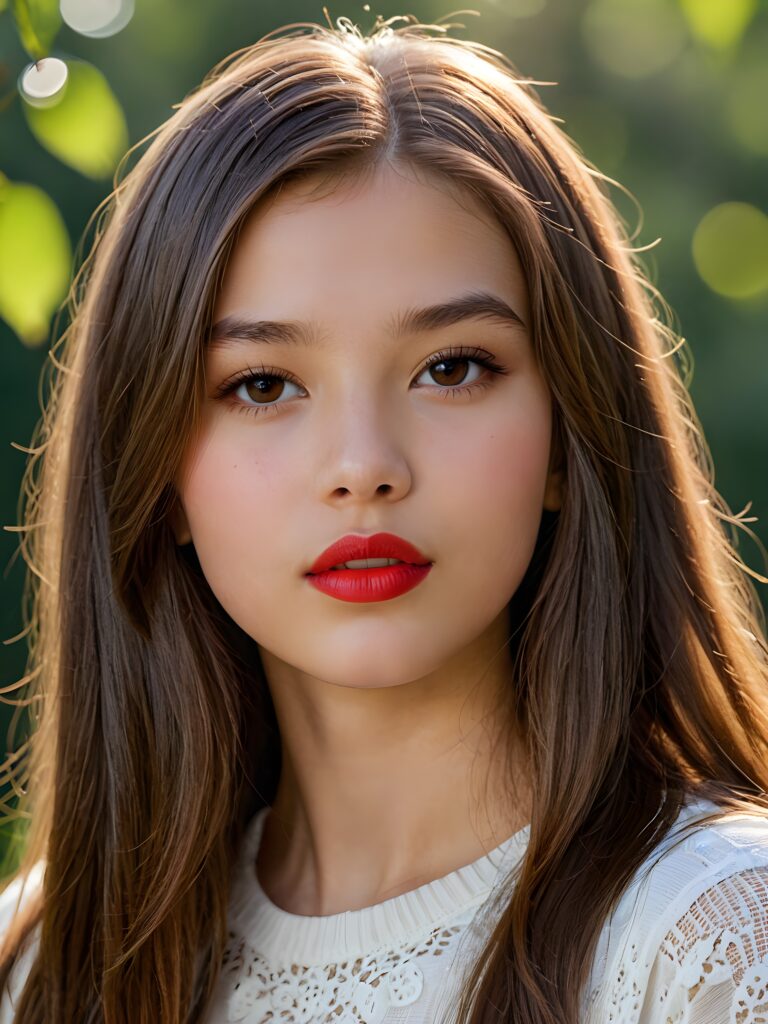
pixel 377 545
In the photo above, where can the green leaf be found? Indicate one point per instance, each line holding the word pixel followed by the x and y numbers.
pixel 35 259
pixel 86 128
pixel 38 22
pixel 730 250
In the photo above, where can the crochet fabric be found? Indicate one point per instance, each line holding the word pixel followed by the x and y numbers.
pixel 687 942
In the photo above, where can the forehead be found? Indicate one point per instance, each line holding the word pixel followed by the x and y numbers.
pixel 366 246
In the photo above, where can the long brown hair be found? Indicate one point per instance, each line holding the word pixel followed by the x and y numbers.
pixel 641 668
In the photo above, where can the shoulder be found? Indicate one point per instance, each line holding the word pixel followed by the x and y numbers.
pixel 13 898
pixel 690 933
pixel 17 892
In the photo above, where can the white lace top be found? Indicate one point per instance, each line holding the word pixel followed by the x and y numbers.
pixel 687 942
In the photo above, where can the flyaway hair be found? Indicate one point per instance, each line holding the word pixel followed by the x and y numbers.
pixel 640 661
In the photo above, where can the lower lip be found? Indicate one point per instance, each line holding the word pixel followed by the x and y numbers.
pixel 364 585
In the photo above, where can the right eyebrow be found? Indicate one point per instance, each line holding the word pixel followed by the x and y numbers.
pixel 472 306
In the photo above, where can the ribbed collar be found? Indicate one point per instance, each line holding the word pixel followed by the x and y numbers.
pixel 282 937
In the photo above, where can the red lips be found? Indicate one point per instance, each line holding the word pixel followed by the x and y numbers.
pixel 378 545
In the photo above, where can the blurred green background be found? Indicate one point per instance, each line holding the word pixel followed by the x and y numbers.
pixel 669 97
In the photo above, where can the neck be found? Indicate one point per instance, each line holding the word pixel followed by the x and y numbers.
pixel 384 789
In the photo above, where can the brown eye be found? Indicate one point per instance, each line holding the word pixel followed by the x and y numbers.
pixel 450 372
pixel 263 389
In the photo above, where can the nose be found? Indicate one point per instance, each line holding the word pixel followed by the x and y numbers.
pixel 361 458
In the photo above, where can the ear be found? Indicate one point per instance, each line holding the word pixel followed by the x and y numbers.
pixel 178 520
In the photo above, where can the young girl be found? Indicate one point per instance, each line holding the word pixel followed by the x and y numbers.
pixel 392 660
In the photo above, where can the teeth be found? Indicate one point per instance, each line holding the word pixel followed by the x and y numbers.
pixel 368 563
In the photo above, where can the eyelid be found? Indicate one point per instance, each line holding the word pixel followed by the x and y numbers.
pixel 235 379
pixel 474 354
pixel 460 352
pixel 468 352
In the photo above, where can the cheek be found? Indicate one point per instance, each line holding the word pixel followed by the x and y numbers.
pixel 502 467
pixel 235 500
pixel 510 468
pixel 495 495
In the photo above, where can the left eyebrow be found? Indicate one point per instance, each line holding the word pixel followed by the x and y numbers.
pixel 472 306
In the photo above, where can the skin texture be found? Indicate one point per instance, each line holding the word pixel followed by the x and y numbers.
pixel 392 771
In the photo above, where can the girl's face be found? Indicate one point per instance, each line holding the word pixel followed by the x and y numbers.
pixel 364 437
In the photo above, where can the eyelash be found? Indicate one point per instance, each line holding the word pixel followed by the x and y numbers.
pixel 474 355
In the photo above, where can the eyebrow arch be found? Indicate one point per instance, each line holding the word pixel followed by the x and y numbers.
pixel 472 306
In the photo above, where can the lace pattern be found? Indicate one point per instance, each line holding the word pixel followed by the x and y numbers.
pixel 687 944
pixel 359 991
pixel 711 966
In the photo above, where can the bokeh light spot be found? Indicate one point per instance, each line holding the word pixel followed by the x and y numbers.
pixel 42 83
pixel 719 23
pixel 633 38
pixel 730 250
pixel 746 107
pixel 97 18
